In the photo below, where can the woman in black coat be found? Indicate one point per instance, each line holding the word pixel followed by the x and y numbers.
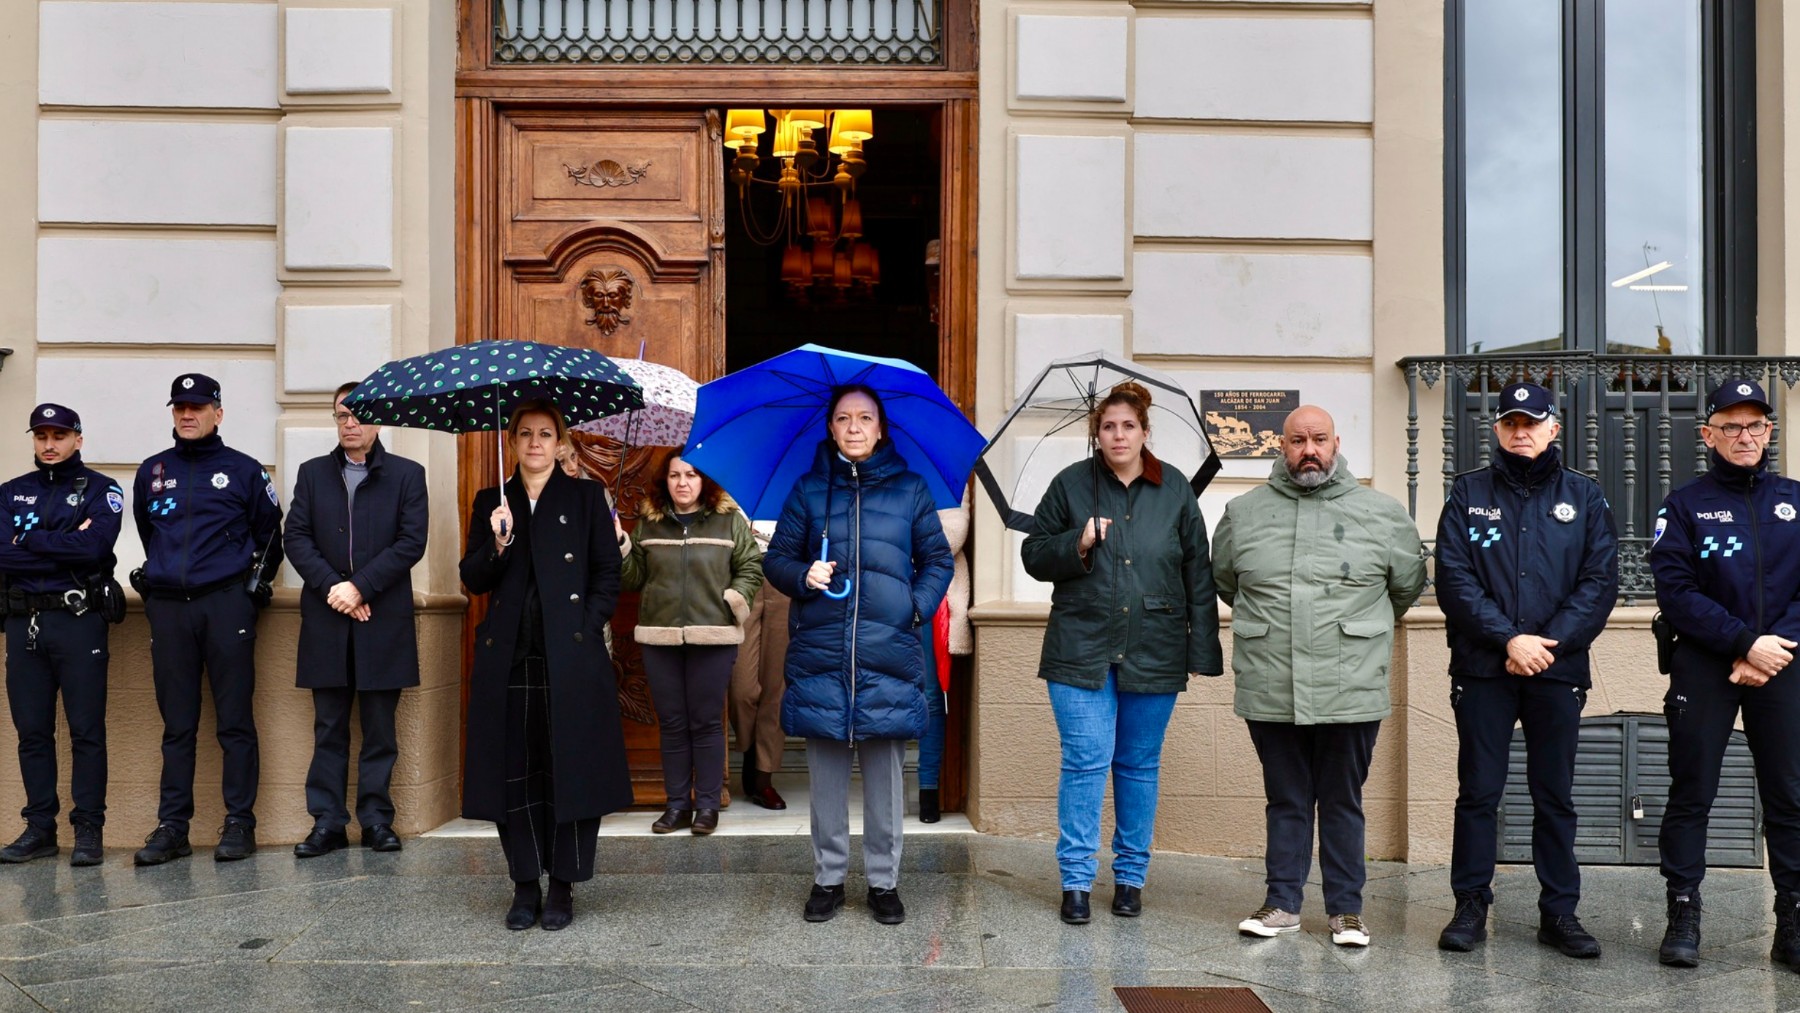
pixel 546 751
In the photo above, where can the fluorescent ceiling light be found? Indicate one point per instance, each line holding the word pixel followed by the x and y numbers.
pixel 1645 273
pixel 1659 288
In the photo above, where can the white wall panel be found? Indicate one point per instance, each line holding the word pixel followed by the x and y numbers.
pixel 1253 186
pixel 336 51
pixel 1070 212
pixel 1039 338
pixel 1076 58
pixel 1255 69
pixel 180 55
pixel 339 207
pixel 121 401
pixel 156 172
pixel 156 291
pixel 324 346
pixel 1228 304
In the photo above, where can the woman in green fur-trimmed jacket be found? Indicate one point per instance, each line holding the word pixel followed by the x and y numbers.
pixel 697 568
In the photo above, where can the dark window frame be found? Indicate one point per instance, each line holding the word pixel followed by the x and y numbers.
pixel 1728 176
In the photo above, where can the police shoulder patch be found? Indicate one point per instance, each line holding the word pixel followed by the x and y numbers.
pixel 115 501
pixel 1662 524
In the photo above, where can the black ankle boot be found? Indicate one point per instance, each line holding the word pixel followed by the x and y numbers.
pixel 527 900
pixel 559 906
pixel 928 806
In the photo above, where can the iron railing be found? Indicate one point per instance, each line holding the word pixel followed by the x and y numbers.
pixel 1629 421
pixel 676 32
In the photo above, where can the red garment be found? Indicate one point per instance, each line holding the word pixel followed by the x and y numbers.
pixel 940 642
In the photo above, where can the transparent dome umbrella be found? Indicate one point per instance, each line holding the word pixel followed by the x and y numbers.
pixel 1046 431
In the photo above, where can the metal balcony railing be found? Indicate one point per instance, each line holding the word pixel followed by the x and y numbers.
pixel 1629 421
pixel 700 32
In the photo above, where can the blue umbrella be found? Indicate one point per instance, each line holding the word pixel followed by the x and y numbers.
pixel 473 388
pixel 755 431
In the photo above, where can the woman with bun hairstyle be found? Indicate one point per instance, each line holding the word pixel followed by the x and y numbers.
pixel 698 568
pixel 1133 616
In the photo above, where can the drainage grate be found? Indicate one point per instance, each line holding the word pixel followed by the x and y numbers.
pixel 1190 1000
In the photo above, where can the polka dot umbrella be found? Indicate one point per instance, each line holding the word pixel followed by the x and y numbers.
pixel 472 388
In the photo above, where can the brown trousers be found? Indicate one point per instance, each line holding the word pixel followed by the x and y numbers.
pixel 758 680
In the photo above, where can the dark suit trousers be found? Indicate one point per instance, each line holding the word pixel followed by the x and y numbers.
pixel 326 779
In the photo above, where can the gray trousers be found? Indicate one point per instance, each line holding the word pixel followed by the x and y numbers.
pixel 884 807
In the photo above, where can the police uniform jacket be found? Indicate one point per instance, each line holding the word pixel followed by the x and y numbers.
pixel 41 551
pixel 567 555
pixel 373 545
pixel 1727 558
pixel 1525 546
pixel 203 510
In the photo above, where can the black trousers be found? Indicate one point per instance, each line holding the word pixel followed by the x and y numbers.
pixel 1550 712
pixel 68 654
pixel 327 780
pixel 1701 706
pixel 216 634
pixel 688 685
pixel 1308 767
pixel 533 839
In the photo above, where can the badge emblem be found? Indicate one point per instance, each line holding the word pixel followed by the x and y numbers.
pixel 72 499
pixel 1564 512
pixel 49 413
pixel 1743 388
pixel 1520 394
pixel 187 383
pixel 220 480
pixel 115 501
pixel 1785 511
pixel 1662 524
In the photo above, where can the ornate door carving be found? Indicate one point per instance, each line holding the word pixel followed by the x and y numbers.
pixel 602 229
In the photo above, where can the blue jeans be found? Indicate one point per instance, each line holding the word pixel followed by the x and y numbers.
pixel 1104 729
pixel 931 745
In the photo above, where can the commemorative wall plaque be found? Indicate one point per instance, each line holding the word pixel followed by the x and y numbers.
pixel 1246 423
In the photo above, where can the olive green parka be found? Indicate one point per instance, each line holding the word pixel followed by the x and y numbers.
pixel 695 581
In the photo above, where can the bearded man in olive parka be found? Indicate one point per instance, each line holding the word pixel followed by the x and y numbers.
pixel 1317 569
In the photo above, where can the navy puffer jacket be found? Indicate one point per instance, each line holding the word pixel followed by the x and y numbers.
pixel 855 666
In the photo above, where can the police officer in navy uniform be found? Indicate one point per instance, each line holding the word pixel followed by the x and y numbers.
pixel 1527 573
pixel 210 520
pixel 1726 558
pixel 58 524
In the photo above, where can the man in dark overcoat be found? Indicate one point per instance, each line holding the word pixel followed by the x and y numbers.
pixel 567 554
pixel 356 528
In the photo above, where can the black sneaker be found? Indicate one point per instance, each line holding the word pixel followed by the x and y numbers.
pixel 885 906
pixel 237 840
pixel 1468 926
pixel 1566 934
pixel 165 844
pixel 1786 949
pixel 1681 943
pixel 88 847
pixel 823 904
pixel 35 842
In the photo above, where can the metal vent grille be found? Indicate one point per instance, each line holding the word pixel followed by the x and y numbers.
pixel 1625 757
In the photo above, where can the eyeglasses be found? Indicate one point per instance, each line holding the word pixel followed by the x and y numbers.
pixel 1732 430
pixel 344 418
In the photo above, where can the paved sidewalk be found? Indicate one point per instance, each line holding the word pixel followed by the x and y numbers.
pixel 684 923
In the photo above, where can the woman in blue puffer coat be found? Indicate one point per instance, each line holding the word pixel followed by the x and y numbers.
pixel 855 661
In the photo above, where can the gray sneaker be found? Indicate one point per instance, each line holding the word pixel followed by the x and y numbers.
pixel 1269 922
pixel 1348 930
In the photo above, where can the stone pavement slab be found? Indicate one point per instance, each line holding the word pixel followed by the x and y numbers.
pixel 713 924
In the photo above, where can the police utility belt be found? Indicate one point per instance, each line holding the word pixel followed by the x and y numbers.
pixel 74 600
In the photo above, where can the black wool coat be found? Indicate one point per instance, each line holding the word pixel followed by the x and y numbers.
pixel 574 557
pixel 374 547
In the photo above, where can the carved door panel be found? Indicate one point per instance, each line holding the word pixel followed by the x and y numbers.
pixel 601 229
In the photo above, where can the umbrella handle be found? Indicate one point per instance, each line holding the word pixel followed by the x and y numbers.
pixel 825 550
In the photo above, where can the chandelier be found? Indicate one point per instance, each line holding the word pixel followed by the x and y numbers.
pixel 818 219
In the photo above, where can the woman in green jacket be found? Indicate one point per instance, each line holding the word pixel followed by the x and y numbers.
pixel 1134 614
pixel 697 569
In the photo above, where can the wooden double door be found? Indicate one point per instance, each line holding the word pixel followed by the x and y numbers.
pixel 600 230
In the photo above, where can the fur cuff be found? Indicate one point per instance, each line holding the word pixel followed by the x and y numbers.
pixel 740 609
pixel 625 547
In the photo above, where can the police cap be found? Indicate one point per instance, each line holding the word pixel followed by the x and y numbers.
pixel 1526 399
pixel 1737 391
pixel 54 416
pixel 194 388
